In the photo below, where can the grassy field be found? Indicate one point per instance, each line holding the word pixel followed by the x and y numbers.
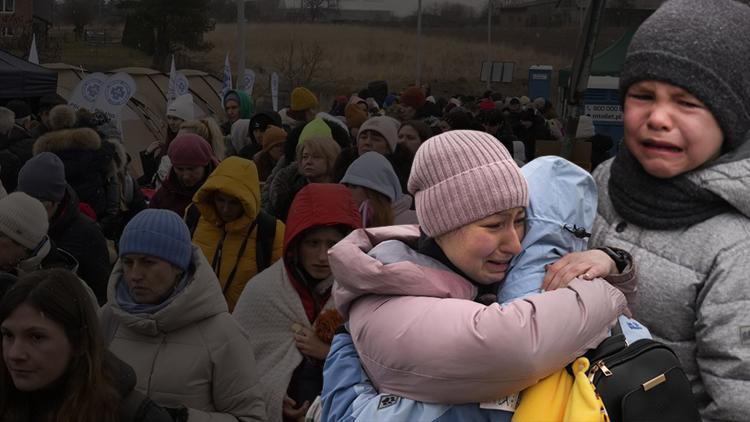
pixel 353 55
pixel 349 56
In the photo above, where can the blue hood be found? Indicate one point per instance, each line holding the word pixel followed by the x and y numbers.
pixel 561 195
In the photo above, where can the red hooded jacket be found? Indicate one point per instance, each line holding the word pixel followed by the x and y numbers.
pixel 317 204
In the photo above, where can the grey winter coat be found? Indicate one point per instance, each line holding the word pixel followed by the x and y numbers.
pixel 694 287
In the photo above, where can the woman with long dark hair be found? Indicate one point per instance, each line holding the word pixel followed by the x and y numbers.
pixel 55 366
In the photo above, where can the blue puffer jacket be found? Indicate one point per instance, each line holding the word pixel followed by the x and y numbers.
pixel 563 197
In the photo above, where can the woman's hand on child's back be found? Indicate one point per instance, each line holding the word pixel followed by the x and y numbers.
pixel 587 265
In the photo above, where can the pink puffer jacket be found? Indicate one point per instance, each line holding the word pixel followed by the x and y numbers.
pixel 420 335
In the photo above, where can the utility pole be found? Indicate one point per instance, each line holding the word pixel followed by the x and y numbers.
pixel 241 39
pixel 419 43
pixel 489 44
pixel 579 78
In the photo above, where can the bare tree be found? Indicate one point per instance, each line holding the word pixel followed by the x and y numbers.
pixel 316 9
pixel 80 13
pixel 301 63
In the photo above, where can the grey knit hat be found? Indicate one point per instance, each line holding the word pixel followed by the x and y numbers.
pixel 43 178
pixel 701 46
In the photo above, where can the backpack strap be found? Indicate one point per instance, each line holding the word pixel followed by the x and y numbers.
pixel 192 215
pixel 264 240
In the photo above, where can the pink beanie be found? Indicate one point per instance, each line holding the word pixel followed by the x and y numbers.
pixel 462 176
pixel 188 149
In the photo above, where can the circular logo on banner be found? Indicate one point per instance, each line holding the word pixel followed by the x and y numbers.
pixel 118 93
pixel 91 89
pixel 182 86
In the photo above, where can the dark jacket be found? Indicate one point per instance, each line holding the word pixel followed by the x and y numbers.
pixel 77 234
pixel 529 136
pixel 89 166
pixel 173 196
pixel 15 150
pixel 283 188
pixel 265 165
pixel 6 281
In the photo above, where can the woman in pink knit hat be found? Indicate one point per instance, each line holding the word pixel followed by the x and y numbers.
pixel 420 300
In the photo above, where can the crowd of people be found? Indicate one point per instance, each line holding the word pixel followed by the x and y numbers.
pixel 398 257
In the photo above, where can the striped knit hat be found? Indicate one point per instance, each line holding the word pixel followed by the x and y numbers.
pixel 462 176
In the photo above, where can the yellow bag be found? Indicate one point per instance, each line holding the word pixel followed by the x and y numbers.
pixel 562 398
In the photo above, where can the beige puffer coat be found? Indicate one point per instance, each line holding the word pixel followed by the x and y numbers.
pixel 191 353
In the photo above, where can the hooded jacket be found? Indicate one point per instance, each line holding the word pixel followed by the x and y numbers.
pixel 275 299
pixel 236 177
pixel 282 190
pixel 562 199
pixel 82 238
pixel 89 166
pixel 374 171
pixel 190 353
pixel 398 299
pixel 693 287
pixel 246 109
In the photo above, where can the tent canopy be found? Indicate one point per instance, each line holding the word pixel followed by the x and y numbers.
pixel 609 62
pixel 22 79
pixel 144 117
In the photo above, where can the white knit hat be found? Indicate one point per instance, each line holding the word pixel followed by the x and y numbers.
pixel 182 107
pixel 23 219
pixel 386 126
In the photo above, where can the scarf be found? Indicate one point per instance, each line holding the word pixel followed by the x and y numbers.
pixel 486 293
pixel 659 204
pixel 128 304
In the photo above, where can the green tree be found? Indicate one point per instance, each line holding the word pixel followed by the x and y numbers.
pixel 162 27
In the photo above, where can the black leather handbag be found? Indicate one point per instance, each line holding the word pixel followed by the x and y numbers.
pixel 641 382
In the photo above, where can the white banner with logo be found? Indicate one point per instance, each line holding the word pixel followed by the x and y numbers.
pixel 114 95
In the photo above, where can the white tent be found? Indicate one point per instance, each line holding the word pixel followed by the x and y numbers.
pixel 144 119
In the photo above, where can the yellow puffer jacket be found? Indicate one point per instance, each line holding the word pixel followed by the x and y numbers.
pixel 236 177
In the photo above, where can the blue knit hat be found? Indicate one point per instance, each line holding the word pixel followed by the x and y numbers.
pixel 158 233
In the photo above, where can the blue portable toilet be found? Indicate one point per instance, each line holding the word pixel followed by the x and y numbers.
pixel 602 102
pixel 540 81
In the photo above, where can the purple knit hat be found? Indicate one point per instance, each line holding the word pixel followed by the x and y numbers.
pixel 462 176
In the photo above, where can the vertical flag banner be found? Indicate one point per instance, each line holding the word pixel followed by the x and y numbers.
pixel 248 82
pixel 171 92
pixel 178 84
pixel 87 91
pixel 33 54
pixel 227 85
pixel 275 91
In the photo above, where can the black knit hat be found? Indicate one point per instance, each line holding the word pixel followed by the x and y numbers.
pixel 701 46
